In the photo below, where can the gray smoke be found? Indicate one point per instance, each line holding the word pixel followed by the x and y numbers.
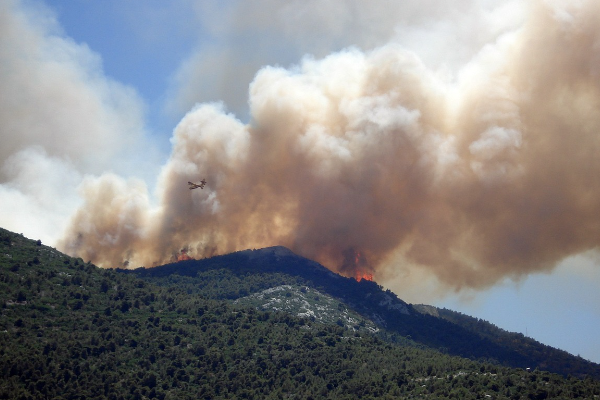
pixel 464 150
pixel 490 175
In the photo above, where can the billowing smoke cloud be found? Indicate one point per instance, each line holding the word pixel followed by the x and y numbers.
pixel 245 36
pixel 60 118
pixel 372 156
pixel 55 95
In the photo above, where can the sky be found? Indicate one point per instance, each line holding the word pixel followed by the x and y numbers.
pixel 448 148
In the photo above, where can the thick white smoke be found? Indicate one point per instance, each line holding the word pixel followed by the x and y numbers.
pixel 471 160
pixel 245 36
pixel 472 179
pixel 60 118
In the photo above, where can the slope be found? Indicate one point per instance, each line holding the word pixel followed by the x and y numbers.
pixel 243 273
pixel 69 330
pixel 545 357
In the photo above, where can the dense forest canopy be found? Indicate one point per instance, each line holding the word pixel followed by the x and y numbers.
pixel 248 273
pixel 70 330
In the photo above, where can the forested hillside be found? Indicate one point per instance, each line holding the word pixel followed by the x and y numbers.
pixel 69 330
pixel 241 274
pixel 545 357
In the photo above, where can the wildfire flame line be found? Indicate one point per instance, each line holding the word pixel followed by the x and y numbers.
pixel 183 256
pixel 363 275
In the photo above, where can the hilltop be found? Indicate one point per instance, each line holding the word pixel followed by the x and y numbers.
pixel 244 275
pixel 70 330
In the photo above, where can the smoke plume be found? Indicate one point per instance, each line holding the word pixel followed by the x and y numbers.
pixel 372 156
pixel 60 119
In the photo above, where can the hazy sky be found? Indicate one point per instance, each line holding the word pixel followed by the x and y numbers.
pixel 452 149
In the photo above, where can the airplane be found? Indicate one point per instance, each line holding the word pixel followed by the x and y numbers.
pixel 196 186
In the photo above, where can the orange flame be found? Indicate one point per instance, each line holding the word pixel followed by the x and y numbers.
pixel 183 256
pixel 363 275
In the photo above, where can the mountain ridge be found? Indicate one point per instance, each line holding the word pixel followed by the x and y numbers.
pixel 446 333
pixel 71 330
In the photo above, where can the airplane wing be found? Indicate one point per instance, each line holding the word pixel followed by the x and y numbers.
pixel 196 186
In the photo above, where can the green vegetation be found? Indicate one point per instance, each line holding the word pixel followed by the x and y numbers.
pixel 69 330
pixel 247 273
pixel 546 357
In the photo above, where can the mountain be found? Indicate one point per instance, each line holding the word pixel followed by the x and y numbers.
pixel 249 273
pixel 70 330
pixel 542 356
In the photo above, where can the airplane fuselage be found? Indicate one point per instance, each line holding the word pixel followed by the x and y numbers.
pixel 196 186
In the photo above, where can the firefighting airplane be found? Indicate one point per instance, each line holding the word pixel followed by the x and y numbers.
pixel 196 186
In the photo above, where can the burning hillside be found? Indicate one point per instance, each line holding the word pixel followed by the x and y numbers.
pixel 363 275
pixel 183 256
pixel 466 179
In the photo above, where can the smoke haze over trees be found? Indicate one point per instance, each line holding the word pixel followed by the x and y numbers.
pixel 373 157
pixel 376 153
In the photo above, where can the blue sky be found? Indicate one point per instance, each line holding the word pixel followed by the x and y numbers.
pixel 141 45
pixel 151 62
